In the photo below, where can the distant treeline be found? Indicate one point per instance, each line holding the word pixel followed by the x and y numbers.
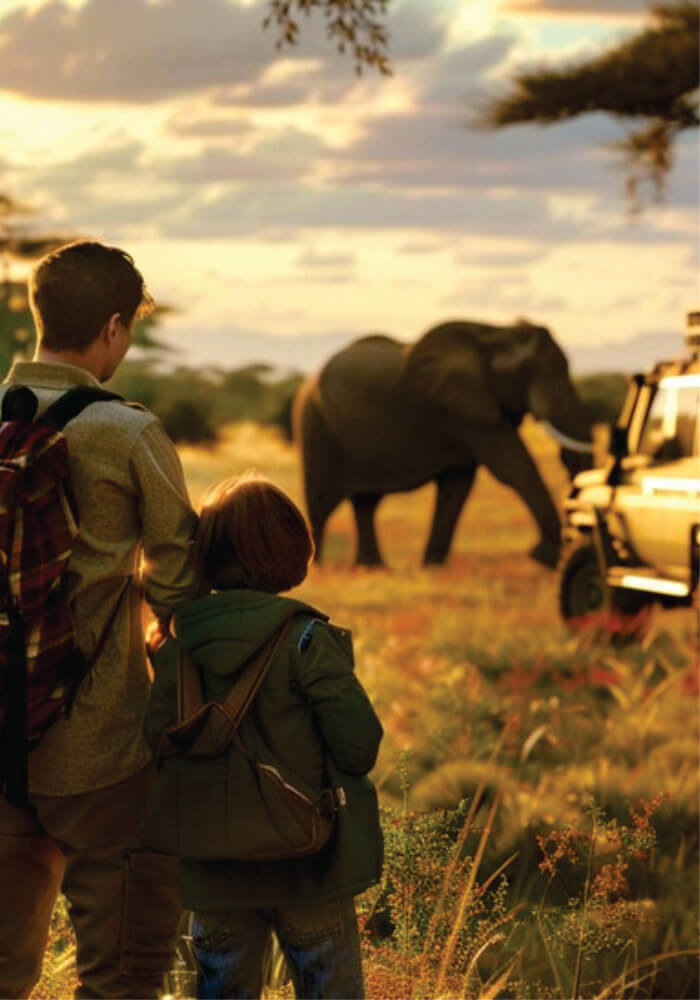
pixel 194 404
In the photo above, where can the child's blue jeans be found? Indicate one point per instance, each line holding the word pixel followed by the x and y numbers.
pixel 320 942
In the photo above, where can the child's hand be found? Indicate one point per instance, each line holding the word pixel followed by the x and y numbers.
pixel 156 634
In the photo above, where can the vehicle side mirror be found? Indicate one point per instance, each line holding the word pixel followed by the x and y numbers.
pixel 619 444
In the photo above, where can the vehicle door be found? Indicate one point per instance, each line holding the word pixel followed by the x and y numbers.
pixel 659 498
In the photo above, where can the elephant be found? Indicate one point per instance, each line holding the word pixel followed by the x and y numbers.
pixel 383 416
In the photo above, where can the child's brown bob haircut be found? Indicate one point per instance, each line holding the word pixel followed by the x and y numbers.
pixel 251 535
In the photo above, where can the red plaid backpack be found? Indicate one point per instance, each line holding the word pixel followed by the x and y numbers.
pixel 40 663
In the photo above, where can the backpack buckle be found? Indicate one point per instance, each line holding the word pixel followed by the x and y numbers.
pixel 332 799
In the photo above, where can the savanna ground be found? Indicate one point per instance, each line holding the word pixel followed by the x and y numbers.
pixel 539 790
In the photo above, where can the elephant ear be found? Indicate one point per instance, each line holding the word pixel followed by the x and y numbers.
pixel 447 368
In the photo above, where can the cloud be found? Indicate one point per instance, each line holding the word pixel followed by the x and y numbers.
pixel 319 84
pixel 461 71
pixel 505 260
pixel 274 190
pixel 119 160
pixel 579 8
pixel 136 50
pixel 282 155
pixel 290 143
pixel 294 207
pixel 430 149
pixel 102 190
pixel 514 298
pixel 424 246
pixel 215 164
pixel 419 168
pixel 186 126
pixel 426 149
pixel 132 50
pixel 478 211
pixel 417 31
pixel 310 259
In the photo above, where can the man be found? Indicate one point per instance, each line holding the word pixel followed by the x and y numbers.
pixel 89 776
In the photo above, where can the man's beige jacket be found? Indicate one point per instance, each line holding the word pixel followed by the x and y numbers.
pixel 135 538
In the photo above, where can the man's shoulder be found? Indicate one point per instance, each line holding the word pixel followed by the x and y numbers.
pixel 124 411
pixel 124 417
pixel 114 416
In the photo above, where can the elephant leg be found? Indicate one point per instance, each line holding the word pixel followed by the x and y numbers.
pixel 506 457
pixel 318 521
pixel 453 487
pixel 364 506
pixel 322 467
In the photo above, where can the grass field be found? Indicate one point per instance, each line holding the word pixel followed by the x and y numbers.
pixel 539 790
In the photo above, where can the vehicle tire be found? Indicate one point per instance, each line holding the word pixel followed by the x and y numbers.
pixel 581 590
pixel 582 599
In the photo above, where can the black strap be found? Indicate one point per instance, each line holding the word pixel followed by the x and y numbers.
pixel 73 402
pixel 19 403
pixel 13 755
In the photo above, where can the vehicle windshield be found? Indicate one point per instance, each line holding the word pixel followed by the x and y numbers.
pixel 671 428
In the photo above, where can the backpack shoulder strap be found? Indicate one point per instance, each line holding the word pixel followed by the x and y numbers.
pixel 19 403
pixel 238 701
pixel 73 402
pixel 240 697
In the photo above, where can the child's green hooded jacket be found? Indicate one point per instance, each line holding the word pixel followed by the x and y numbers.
pixel 316 719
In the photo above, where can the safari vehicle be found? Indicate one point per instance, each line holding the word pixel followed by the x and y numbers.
pixel 632 528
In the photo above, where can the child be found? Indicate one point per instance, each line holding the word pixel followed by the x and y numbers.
pixel 252 542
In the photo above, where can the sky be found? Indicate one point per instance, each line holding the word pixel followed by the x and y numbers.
pixel 281 205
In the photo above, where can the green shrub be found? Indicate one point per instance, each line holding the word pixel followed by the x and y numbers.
pixel 186 421
pixel 603 395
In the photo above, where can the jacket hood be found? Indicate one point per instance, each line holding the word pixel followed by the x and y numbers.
pixel 223 630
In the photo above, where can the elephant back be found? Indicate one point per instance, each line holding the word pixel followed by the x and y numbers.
pixel 485 344
pixel 362 384
pixel 478 370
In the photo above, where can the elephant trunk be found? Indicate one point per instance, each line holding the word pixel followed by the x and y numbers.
pixel 562 414
pixel 571 444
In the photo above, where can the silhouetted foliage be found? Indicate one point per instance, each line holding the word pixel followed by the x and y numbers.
pixel 144 329
pixel 603 395
pixel 19 244
pixel 30 247
pixel 653 76
pixel 17 334
pixel 185 421
pixel 193 404
pixel 352 24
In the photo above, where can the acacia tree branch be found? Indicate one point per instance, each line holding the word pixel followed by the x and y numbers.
pixel 654 75
pixel 352 24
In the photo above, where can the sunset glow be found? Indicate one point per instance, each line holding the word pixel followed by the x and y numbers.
pixel 277 194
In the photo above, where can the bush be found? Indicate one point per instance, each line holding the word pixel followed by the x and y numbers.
pixel 603 395
pixel 185 421
pixel 193 405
